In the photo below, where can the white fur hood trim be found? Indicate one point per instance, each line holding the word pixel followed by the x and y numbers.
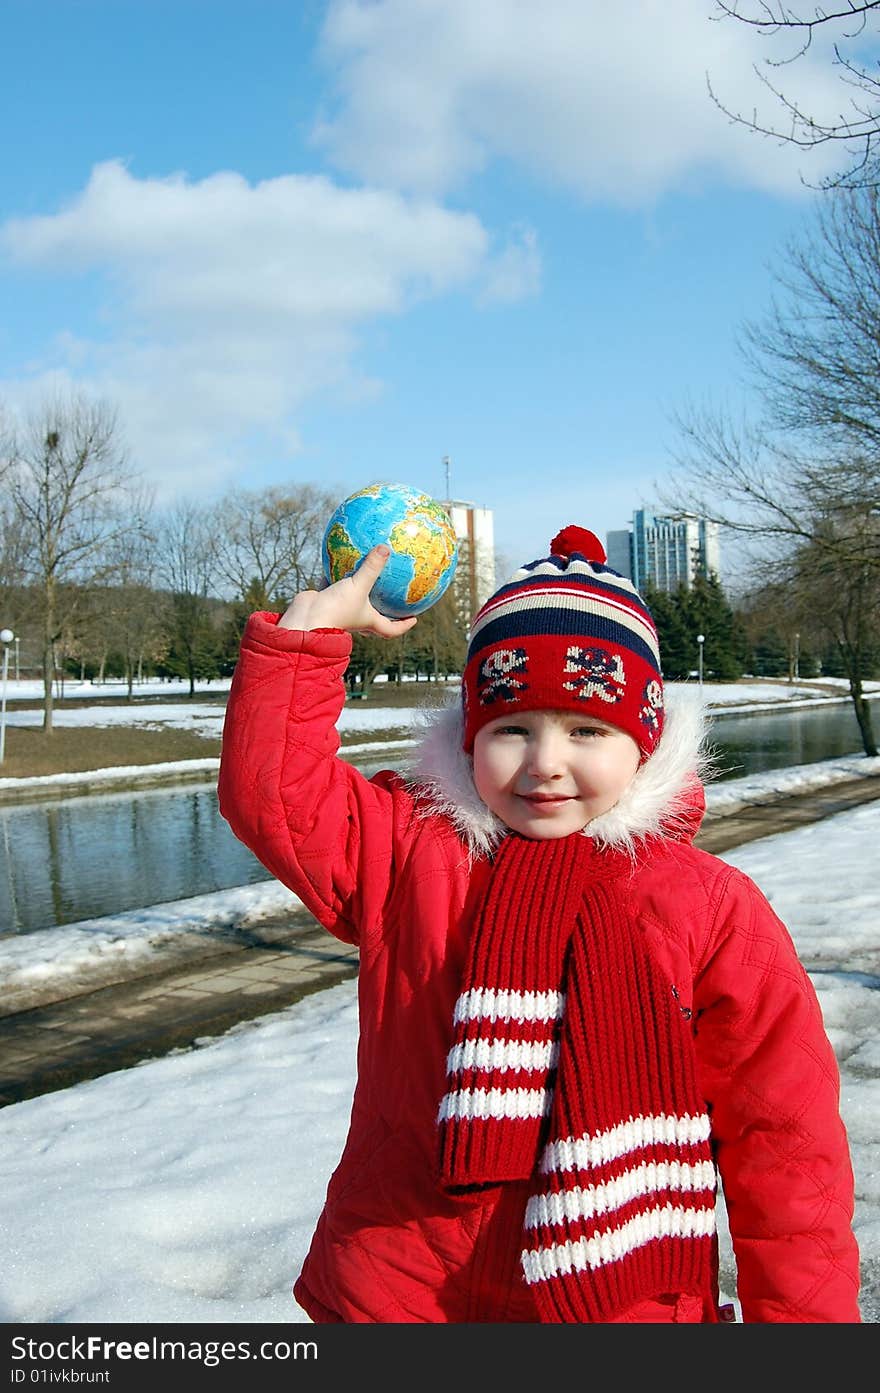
pixel 659 799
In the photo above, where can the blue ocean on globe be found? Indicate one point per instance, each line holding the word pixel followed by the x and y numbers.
pixel 419 531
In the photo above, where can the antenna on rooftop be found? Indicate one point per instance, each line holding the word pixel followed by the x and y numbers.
pixel 448 486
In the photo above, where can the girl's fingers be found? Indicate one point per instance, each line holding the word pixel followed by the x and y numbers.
pixel 387 628
pixel 393 627
pixel 372 565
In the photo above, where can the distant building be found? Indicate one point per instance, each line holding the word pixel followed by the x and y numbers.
pixel 618 545
pixel 665 550
pixel 475 574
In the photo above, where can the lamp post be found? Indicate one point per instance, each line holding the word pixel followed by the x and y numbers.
pixel 6 637
pixel 701 639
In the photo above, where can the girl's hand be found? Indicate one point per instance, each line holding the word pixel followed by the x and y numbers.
pixel 346 603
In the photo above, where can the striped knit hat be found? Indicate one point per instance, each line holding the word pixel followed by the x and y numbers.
pixel 566 633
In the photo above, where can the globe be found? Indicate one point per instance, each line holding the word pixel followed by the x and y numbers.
pixel 424 547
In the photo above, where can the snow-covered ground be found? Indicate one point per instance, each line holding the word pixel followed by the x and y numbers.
pixel 30 689
pixel 186 1189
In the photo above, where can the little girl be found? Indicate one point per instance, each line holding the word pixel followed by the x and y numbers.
pixel 572 1021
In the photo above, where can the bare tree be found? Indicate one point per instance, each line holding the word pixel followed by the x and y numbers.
pixel 813 526
pixel 69 488
pixel 828 596
pixel 438 643
pixel 753 483
pixel 857 128
pixel 13 592
pixel 801 481
pixel 185 567
pixel 134 626
pixel 813 360
pixel 815 354
pixel 267 545
pixel 845 591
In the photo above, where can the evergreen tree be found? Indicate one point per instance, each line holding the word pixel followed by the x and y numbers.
pixel 769 655
pixel 195 648
pixel 707 612
pixel 678 648
pixel 239 611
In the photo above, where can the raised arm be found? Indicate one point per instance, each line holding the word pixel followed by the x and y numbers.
pixel 313 820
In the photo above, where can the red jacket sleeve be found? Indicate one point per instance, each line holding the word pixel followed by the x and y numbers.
pixel 771 1079
pixel 313 820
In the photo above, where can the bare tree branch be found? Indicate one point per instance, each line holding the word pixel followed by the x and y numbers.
pixel 268 543
pixel 800 484
pixel 856 128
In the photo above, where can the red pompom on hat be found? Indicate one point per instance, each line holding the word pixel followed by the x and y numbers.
pixel 566 633
pixel 577 539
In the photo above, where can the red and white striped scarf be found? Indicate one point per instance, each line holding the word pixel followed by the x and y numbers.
pixel 572 1064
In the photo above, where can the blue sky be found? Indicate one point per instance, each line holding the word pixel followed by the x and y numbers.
pixel 338 240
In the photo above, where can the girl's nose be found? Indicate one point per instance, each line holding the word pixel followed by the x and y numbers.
pixel 545 755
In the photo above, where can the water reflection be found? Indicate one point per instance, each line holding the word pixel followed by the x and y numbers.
pixel 752 744
pixel 80 858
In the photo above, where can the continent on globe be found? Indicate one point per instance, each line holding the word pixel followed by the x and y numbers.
pixel 343 552
pixel 429 549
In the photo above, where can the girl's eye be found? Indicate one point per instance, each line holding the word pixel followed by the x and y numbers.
pixel 510 730
pixel 588 730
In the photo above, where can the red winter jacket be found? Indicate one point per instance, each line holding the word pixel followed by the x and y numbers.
pixel 387 863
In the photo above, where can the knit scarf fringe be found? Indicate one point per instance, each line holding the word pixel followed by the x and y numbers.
pixel 572 1065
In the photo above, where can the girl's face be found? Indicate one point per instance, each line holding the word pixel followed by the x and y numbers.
pixel 548 773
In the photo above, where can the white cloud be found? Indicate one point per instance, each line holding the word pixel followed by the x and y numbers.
pixel 609 100
pixel 231 304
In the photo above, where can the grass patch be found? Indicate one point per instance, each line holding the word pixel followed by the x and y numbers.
pixel 73 749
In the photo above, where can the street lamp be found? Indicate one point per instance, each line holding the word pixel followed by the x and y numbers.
pixel 6 637
pixel 701 639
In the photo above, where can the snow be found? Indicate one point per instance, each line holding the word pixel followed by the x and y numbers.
pixel 36 965
pixel 202 718
pixel 771 784
pixel 31 689
pixel 186 1189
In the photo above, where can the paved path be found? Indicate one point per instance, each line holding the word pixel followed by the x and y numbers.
pixel 260 970
pixel 237 977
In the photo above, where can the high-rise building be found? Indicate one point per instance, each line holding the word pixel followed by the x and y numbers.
pixel 475 574
pixel 665 550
